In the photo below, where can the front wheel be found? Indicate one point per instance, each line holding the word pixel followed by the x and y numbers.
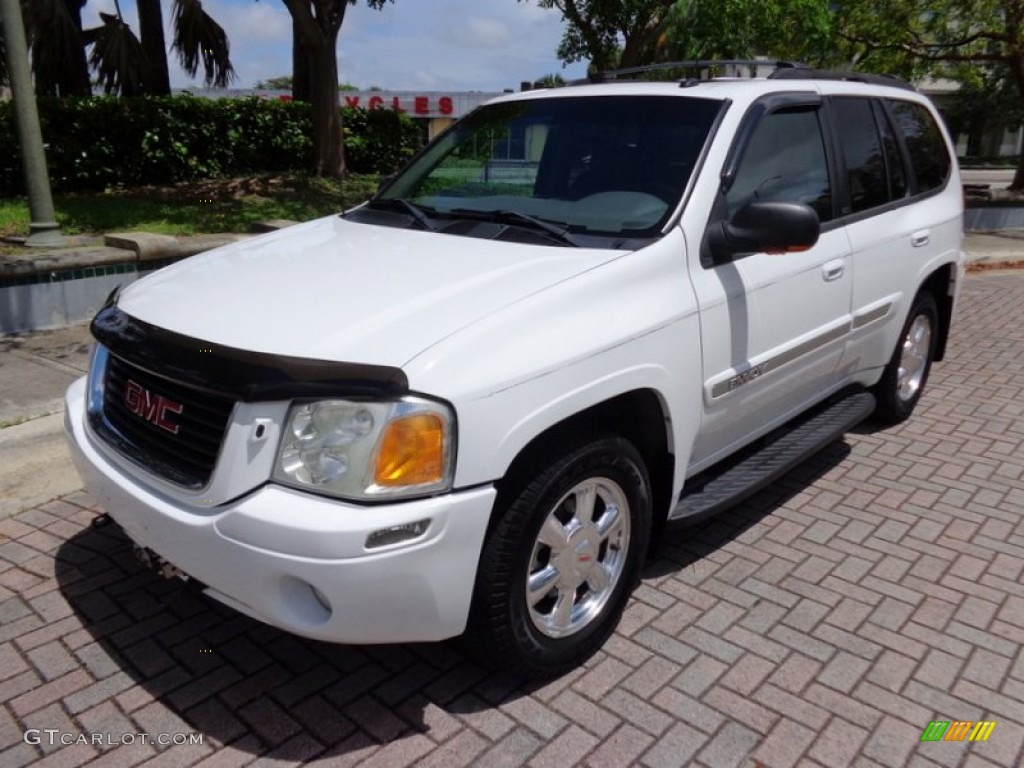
pixel 560 563
pixel 904 377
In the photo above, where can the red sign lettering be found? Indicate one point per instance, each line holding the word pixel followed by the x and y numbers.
pixel 421 105
pixel 153 408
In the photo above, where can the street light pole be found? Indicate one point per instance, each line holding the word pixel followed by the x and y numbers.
pixel 43 229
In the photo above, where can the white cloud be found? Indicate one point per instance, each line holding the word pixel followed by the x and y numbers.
pixel 483 33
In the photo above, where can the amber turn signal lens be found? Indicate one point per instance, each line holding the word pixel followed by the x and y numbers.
pixel 411 451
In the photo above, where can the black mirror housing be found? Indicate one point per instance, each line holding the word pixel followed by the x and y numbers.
pixel 773 227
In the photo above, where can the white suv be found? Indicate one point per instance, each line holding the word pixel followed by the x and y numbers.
pixel 466 406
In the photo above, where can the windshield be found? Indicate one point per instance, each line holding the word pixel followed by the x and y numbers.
pixel 602 165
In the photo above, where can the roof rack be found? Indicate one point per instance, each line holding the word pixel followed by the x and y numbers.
pixel 697 65
pixel 781 70
pixel 804 73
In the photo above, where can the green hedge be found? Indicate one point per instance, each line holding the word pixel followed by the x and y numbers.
pixel 104 142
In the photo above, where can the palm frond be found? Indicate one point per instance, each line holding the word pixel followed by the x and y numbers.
pixel 200 39
pixel 58 61
pixel 117 56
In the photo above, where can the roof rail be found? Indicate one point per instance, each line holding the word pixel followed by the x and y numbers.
pixel 697 64
pixel 828 74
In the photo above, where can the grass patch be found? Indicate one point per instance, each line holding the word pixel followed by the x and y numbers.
pixel 207 207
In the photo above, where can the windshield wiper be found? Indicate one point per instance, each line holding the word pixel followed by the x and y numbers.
pixel 403 205
pixel 561 234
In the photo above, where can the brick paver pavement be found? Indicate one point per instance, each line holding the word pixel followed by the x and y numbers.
pixel 825 623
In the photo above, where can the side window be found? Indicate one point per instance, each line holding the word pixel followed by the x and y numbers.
pixel 929 155
pixel 893 157
pixel 862 153
pixel 784 161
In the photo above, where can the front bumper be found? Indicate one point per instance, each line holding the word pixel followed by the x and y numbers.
pixel 299 561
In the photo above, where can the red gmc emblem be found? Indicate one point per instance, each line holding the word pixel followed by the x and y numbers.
pixel 152 408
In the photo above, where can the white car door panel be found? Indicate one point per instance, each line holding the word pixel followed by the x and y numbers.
pixel 774 326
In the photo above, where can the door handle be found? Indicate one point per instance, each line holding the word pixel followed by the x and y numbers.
pixel 833 270
pixel 920 238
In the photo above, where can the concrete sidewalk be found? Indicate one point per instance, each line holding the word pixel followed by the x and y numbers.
pixel 36 368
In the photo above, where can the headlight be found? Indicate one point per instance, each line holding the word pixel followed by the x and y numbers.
pixel 367 450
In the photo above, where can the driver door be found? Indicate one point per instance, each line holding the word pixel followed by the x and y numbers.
pixel 774 327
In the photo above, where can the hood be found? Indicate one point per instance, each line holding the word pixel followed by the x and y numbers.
pixel 336 290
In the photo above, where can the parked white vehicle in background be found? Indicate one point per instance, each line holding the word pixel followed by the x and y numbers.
pixel 578 314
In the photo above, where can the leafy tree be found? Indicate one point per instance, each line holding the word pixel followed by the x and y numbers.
pixel 745 29
pixel 611 33
pixel 628 33
pixel 965 39
pixel 550 81
pixel 280 83
pixel 316 25
pixel 984 93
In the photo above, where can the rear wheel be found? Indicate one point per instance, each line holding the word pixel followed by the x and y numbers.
pixel 558 567
pixel 904 378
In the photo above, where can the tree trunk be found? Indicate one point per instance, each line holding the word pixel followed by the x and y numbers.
pixel 77 69
pixel 1016 63
pixel 300 67
pixel 157 80
pixel 329 157
pixel 319 34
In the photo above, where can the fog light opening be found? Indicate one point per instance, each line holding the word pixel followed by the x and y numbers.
pixel 397 534
pixel 321 598
pixel 304 603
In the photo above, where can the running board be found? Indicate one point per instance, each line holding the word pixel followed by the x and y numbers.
pixel 773 456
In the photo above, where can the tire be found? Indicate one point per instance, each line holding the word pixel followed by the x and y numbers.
pixel 580 562
pixel 905 376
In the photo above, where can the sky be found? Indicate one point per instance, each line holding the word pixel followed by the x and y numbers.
pixel 453 45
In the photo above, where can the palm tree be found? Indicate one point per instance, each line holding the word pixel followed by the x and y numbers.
pixel 122 62
pixel 117 56
pixel 58 58
pixel 200 39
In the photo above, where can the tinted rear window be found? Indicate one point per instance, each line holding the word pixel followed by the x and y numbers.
pixel 929 156
pixel 862 154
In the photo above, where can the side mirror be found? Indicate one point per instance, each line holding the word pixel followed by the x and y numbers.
pixel 773 227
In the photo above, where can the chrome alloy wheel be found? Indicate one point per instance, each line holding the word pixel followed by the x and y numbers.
pixel 916 350
pixel 578 557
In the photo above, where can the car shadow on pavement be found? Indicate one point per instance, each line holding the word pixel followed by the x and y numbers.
pixel 259 689
pixel 684 545
pixel 192 664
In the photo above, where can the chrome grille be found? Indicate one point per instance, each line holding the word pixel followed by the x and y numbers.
pixel 186 456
